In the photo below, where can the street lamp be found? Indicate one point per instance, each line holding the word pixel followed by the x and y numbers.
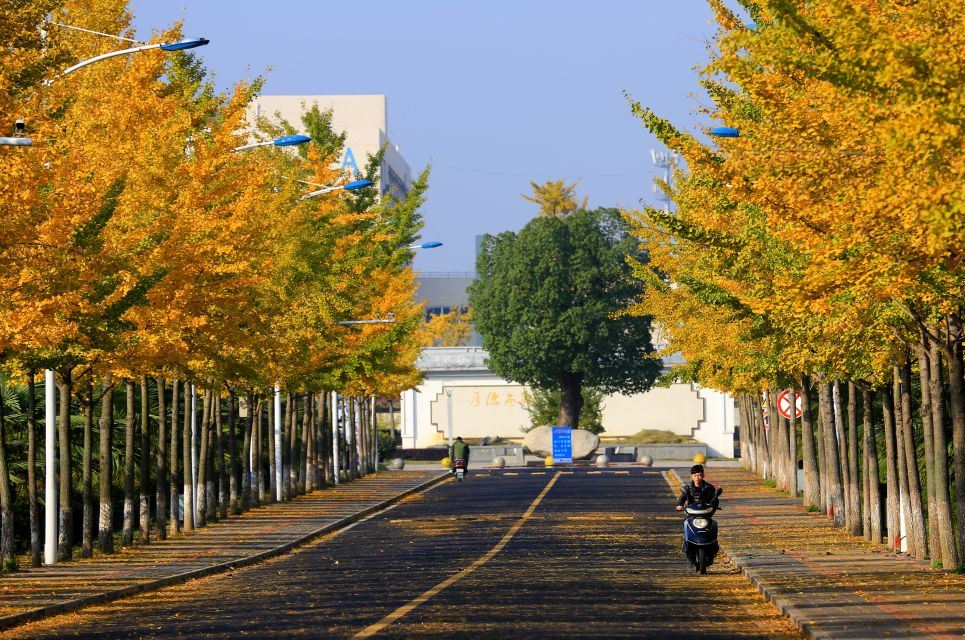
pixel 284 141
pixel 725 132
pixel 388 319
pixel 181 45
pixel 425 245
pixel 351 186
pixel 18 140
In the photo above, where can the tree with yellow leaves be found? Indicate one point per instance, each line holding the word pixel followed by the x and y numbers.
pixel 828 225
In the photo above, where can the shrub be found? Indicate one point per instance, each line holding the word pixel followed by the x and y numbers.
pixel 386 445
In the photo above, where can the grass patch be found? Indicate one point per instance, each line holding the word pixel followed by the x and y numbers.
pixel 649 436
pixel 770 483
pixel 812 508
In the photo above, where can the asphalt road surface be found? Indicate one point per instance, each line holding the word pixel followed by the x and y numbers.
pixel 509 555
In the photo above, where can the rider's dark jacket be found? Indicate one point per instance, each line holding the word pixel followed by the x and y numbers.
pixel 691 494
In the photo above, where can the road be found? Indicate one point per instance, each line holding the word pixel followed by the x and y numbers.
pixel 536 553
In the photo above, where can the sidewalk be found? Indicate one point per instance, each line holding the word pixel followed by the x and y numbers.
pixel 830 584
pixel 31 594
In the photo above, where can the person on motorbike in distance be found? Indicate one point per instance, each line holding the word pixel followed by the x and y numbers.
pixel 697 491
pixel 459 449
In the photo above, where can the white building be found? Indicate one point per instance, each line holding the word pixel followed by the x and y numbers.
pixel 364 119
pixel 484 404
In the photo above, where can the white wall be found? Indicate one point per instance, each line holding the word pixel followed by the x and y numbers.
pixel 486 405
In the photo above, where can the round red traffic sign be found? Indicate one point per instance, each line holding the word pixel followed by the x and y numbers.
pixel 784 404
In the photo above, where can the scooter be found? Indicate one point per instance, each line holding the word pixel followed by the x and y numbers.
pixel 700 533
pixel 459 468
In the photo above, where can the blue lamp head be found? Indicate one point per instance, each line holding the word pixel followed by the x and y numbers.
pixel 357 184
pixel 187 43
pixel 725 132
pixel 430 245
pixel 288 141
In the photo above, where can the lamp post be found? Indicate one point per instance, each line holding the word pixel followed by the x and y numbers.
pixel 449 412
pixel 284 141
pixel 425 245
pixel 50 484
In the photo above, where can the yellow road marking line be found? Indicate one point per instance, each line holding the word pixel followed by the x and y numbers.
pixel 538 473
pixel 567 473
pixel 511 473
pixel 622 473
pixel 373 629
pixel 593 473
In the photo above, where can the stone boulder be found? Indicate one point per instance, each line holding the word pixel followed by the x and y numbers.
pixel 498 462
pixel 539 442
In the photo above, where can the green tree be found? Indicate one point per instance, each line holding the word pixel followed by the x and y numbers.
pixel 547 304
pixel 544 408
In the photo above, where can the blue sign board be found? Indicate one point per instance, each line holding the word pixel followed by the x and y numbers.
pixel 562 444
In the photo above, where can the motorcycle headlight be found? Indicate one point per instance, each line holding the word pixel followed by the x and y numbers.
pixel 701 523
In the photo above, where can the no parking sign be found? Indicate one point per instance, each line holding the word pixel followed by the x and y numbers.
pixel 784 404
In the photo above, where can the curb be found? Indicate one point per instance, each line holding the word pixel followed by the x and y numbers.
pixel 784 606
pixel 48 611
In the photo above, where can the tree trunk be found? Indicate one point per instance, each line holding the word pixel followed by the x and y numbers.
pixel 777 440
pixel 812 481
pixel 128 524
pixel 745 438
pixel 327 438
pixel 842 439
pixel 925 410
pixel 272 461
pixel 161 479
pixel 258 441
pixel 219 461
pixel 211 486
pixel 571 399
pixel 305 469
pixel 763 444
pixel 201 517
pixel 105 524
pixel 233 496
pixel 392 429
pixel 893 510
pixel 175 487
pixel 87 490
pixel 187 465
pixel 144 471
pixel 35 542
pixel 6 495
pixel 821 447
pixel 946 533
pixel 854 491
pixel 916 523
pixel 246 452
pixel 832 458
pixel 291 446
pixel 792 487
pixel 871 474
pixel 65 524
pixel 956 393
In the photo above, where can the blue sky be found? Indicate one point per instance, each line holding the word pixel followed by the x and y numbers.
pixel 492 94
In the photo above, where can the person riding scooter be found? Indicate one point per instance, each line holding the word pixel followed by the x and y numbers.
pixel 700 531
pixel 459 451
